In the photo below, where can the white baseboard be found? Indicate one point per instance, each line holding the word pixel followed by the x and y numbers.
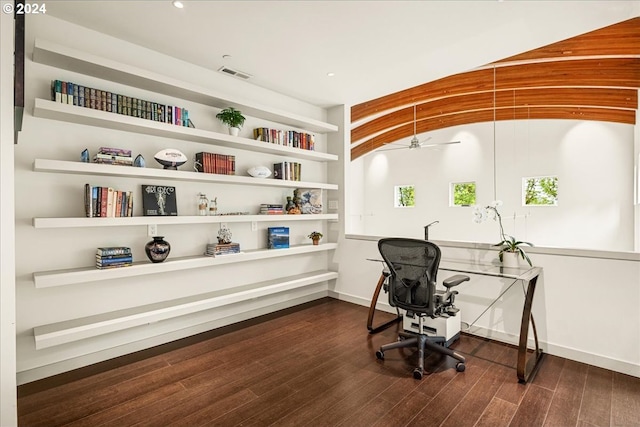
pixel 577 355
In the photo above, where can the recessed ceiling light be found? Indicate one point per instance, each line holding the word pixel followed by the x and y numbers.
pixel 330 74
pixel 178 4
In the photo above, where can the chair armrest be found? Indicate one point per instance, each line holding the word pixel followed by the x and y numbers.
pixel 454 280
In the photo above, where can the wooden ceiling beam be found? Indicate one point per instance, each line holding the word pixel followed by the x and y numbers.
pixel 487 115
pixel 593 76
pixel 580 97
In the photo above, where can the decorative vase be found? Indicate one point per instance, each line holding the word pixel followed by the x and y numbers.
pixel 510 259
pixel 158 249
pixel 234 131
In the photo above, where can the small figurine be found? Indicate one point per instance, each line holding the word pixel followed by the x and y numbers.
pixel 297 201
pixel 224 236
pixel 139 161
pixel 84 157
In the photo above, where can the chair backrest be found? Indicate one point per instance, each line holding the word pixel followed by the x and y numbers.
pixel 413 265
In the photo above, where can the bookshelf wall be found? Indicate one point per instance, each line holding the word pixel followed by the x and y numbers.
pixel 76 313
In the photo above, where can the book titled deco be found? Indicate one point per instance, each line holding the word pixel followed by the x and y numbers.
pixel 159 200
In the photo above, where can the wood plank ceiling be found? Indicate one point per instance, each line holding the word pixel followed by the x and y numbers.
pixel 594 76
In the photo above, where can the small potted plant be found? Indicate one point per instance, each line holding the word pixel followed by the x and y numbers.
pixel 315 237
pixel 232 118
pixel 510 248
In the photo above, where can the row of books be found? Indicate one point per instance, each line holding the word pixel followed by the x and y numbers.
pixel 113 156
pixel 288 138
pixel 107 202
pixel 223 164
pixel 267 209
pixel 113 257
pixel 215 249
pixel 290 171
pixel 97 99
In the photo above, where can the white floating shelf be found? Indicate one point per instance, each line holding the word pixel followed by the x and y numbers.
pixel 49 53
pixel 78 329
pixel 171 220
pixel 67 167
pixel 86 116
pixel 91 274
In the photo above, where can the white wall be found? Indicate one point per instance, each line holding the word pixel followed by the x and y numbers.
pixel 57 195
pixel 593 162
pixel 585 307
pixel 8 413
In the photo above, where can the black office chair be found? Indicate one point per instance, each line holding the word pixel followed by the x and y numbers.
pixel 414 265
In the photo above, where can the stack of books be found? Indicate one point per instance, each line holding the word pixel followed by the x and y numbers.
pixel 113 257
pixel 113 156
pixel 267 209
pixel 215 249
pixel 97 99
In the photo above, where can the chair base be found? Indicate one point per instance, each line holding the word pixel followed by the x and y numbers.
pixel 423 341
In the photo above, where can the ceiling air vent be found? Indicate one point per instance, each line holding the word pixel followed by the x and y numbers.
pixel 235 73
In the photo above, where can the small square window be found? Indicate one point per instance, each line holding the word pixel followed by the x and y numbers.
pixel 540 191
pixel 404 196
pixel 463 194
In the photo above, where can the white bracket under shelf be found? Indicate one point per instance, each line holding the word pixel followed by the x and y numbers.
pixel 78 329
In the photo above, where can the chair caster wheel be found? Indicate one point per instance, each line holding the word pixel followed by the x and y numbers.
pixel 417 373
pixel 460 367
pixel 380 355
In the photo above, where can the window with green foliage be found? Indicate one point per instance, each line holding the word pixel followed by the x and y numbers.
pixel 404 196
pixel 540 191
pixel 463 193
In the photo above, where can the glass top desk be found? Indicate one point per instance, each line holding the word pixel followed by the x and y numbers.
pixel 527 362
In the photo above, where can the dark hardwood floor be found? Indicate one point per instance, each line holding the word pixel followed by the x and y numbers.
pixel 316 366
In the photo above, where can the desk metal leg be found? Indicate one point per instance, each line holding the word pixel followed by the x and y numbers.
pixel 372 309
pixel 527 368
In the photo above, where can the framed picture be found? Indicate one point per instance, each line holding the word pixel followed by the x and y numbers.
pixel 159 200
pixel 310 200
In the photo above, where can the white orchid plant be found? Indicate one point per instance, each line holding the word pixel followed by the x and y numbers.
pixel 508 243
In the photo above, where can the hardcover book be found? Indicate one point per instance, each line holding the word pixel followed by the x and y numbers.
pixel 159 200
pixel 278 237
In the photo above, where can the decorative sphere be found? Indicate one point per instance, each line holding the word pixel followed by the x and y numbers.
pixel 170 158
pixel 259 172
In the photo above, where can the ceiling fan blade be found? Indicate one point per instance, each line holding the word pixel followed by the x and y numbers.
pixel 404 147
pixel 441 143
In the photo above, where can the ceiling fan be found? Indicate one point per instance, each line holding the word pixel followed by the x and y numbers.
pixel 415 142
